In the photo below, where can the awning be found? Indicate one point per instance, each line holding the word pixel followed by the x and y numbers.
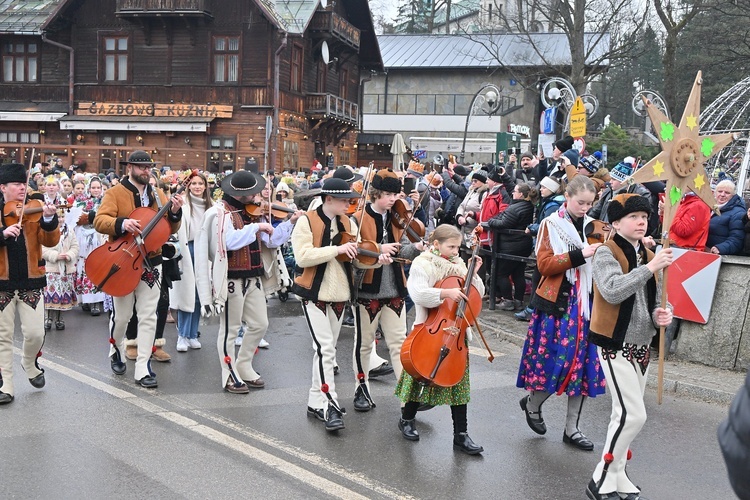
pixel 20 116
pixel 32 112
pixel 140 124
pixel 453 144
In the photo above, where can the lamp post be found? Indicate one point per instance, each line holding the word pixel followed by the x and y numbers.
pixel 640 109
pixel 557 92
pixel 487 98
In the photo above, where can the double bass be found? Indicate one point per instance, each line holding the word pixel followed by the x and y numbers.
pixel 116 267
pixel 435 352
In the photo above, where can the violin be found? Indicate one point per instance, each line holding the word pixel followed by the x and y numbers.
pixel 31 210
pixel 262 209
pixel 600 233
pixel 368 252
pixel 355 204
pixel 435 352
pixel 403 220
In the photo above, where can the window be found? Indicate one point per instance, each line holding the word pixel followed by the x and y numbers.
pixel 20 61
pixel 344 84
pixel 109 140
pixel 320 87
pixel 22 137
pixel 223 156
pixel 115 58
pixel 344 157
pixel 291 155
pixel 296 77
pixel 226 59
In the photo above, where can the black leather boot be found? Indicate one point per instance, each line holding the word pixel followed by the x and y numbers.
pixel 408 429
pixel 463 442
pixel 334 420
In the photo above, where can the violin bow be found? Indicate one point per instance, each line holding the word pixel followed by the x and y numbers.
pixel 365 187
pixel 28 180
pixel 475 239
pixel 414 208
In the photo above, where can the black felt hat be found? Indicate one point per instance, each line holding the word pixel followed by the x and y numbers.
pixel 12 172
pixel 346 174
pixel 627 203
pixel 337 188
pixel 139 158
pixel 243 183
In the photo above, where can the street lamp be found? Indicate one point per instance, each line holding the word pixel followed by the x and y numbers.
pixel 487 98
pixel 640 109
pixel 558 92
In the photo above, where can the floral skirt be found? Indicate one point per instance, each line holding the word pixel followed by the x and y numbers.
pixel 85 289
pixel 409 389
pixel 59 294
pixel 550 354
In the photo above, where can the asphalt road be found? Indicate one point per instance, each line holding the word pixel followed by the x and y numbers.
pixel 91 434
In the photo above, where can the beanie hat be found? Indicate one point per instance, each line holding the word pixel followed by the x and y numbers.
pixel 528 155
pixel 621 171
pixel 590 163
pixel 627 203
pixel 480 175
pixel 550 184
pixel 565 143
pixel 386 180
pixel 495 175
pixel 573 156
pixel 12 172
pixel 461 170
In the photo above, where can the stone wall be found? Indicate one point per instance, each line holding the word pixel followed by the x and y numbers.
pixel 723 342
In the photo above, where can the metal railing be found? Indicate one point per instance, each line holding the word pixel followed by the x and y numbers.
pixel 424 104
pixel 330 22
pixel 145 6
pixel 332 106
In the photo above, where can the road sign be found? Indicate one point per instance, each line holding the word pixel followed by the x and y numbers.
pixel 691 284
pixel 578 119
pixel 420 154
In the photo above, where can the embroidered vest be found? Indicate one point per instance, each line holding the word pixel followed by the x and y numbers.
pixel 244 262
pixel 371 228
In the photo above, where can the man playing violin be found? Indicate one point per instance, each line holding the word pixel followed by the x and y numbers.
pixel 232 285
pixel 320 285
pixel 113 219
pixel 22 279
pixel 382 289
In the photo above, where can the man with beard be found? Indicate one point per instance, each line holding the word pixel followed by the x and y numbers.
pixel 113 219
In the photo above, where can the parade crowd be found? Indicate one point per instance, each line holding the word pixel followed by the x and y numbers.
pixel 576 238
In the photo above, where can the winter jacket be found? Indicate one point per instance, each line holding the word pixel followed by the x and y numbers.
pixel 530 176
pixel 470 208
pixel 545 208
pixel 726 231
pixel 517 216
pixel 734 440
pixel 690 225
pixel 494 203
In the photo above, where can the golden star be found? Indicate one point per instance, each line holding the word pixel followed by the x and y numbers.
pixel 658 168
pixel 699 181
pixel 691 122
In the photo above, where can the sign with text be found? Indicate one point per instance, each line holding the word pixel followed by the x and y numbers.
pixel 420 154
pixel 153 109
pixel 578 119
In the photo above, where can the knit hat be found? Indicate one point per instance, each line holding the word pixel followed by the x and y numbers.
pixel 627 203
pixel 461 170
pixel 12 172
pixel 386 180
pixel 495 175
pixel 480 175
pixel 621 171
pixel 550 184
pixel 528 155
pixel 573 156
pixel 565 143
pixel 590 163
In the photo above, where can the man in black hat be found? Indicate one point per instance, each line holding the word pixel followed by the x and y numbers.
pixel 113 219
pixel 320 285
pixel 21 284
pixel 552 166
pixel 233 285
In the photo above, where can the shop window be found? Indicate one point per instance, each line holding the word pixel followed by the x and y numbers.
pixel 222 155
pixel 115 50
pixel 226 58
pixel 20 61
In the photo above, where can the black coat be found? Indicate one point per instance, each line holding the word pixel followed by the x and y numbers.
pixel 517 216
pixel 734 440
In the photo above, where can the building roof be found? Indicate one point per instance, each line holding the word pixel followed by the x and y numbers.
pixel 487 50
pixel 459 10
pixel 291 16
pixel 27 16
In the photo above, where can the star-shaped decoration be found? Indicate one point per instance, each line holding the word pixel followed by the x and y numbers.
pixel 658 168
pixel 683 155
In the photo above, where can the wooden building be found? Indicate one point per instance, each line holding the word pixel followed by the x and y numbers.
pixel 211 84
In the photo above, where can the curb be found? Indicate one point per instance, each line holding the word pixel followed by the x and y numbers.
pixel 674 383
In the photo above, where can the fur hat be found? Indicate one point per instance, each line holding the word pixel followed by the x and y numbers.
pixel 627 203
pixel 12 172
pixel 386 180
pixel 565 143
pixel 621 171
pixel 573 156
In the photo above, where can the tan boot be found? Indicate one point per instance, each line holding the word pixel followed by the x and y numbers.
pixel 160 354
pixel 131 349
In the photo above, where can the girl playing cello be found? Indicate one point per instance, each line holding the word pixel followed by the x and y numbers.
pixel 439 262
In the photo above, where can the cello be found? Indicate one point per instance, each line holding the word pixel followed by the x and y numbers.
pixel 436 352
pixel 116 267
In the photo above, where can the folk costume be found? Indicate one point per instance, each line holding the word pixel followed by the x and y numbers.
pixel 22 280
pixel 60 294
pixel 626 293
pixel 324 285
pixel 426 270
pixel 557 357
pixel 88 241
pixel 231 286
pixel 117 204
pixel 382 290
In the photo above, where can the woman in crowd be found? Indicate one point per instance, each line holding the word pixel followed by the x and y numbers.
pixel 726 232
pixel 557 357
pixel 468 211
pixel 59 294
pixel 66 187
pixel 90 298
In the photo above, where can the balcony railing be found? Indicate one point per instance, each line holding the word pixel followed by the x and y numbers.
pixel 326 21
pixel 332 107
pixel 163 7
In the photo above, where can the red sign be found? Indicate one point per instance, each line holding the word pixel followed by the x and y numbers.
pixel 691 283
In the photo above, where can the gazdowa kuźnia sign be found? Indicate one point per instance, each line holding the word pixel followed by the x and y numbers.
pixel 153 109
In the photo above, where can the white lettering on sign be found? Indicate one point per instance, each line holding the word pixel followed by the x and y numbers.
pixel 519 129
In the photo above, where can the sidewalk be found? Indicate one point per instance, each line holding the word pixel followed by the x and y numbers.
pixel 680 378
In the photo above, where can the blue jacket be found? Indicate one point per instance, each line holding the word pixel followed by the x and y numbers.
pixel 726 231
